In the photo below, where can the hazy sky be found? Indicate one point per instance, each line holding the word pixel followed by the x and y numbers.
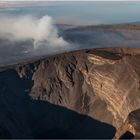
pixel 79 12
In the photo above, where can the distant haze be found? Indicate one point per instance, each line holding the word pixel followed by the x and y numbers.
pixel 29 29
pixel 79 13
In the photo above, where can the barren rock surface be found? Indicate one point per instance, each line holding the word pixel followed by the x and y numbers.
pixel 99 84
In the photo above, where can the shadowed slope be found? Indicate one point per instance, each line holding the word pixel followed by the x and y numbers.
pixel 101 83
pixel 21 117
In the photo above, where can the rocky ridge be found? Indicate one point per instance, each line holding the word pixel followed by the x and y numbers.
pixel 103 84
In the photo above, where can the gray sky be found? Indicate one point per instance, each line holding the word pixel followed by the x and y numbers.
pixel 80 13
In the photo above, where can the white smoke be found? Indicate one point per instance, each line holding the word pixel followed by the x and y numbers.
pixel 41 31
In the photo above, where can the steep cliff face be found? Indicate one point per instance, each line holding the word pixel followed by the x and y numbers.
pixel 103 84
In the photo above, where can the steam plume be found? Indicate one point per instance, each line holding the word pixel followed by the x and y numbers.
pixel 41 31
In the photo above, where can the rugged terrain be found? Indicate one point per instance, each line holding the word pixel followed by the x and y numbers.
pixel 82 94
